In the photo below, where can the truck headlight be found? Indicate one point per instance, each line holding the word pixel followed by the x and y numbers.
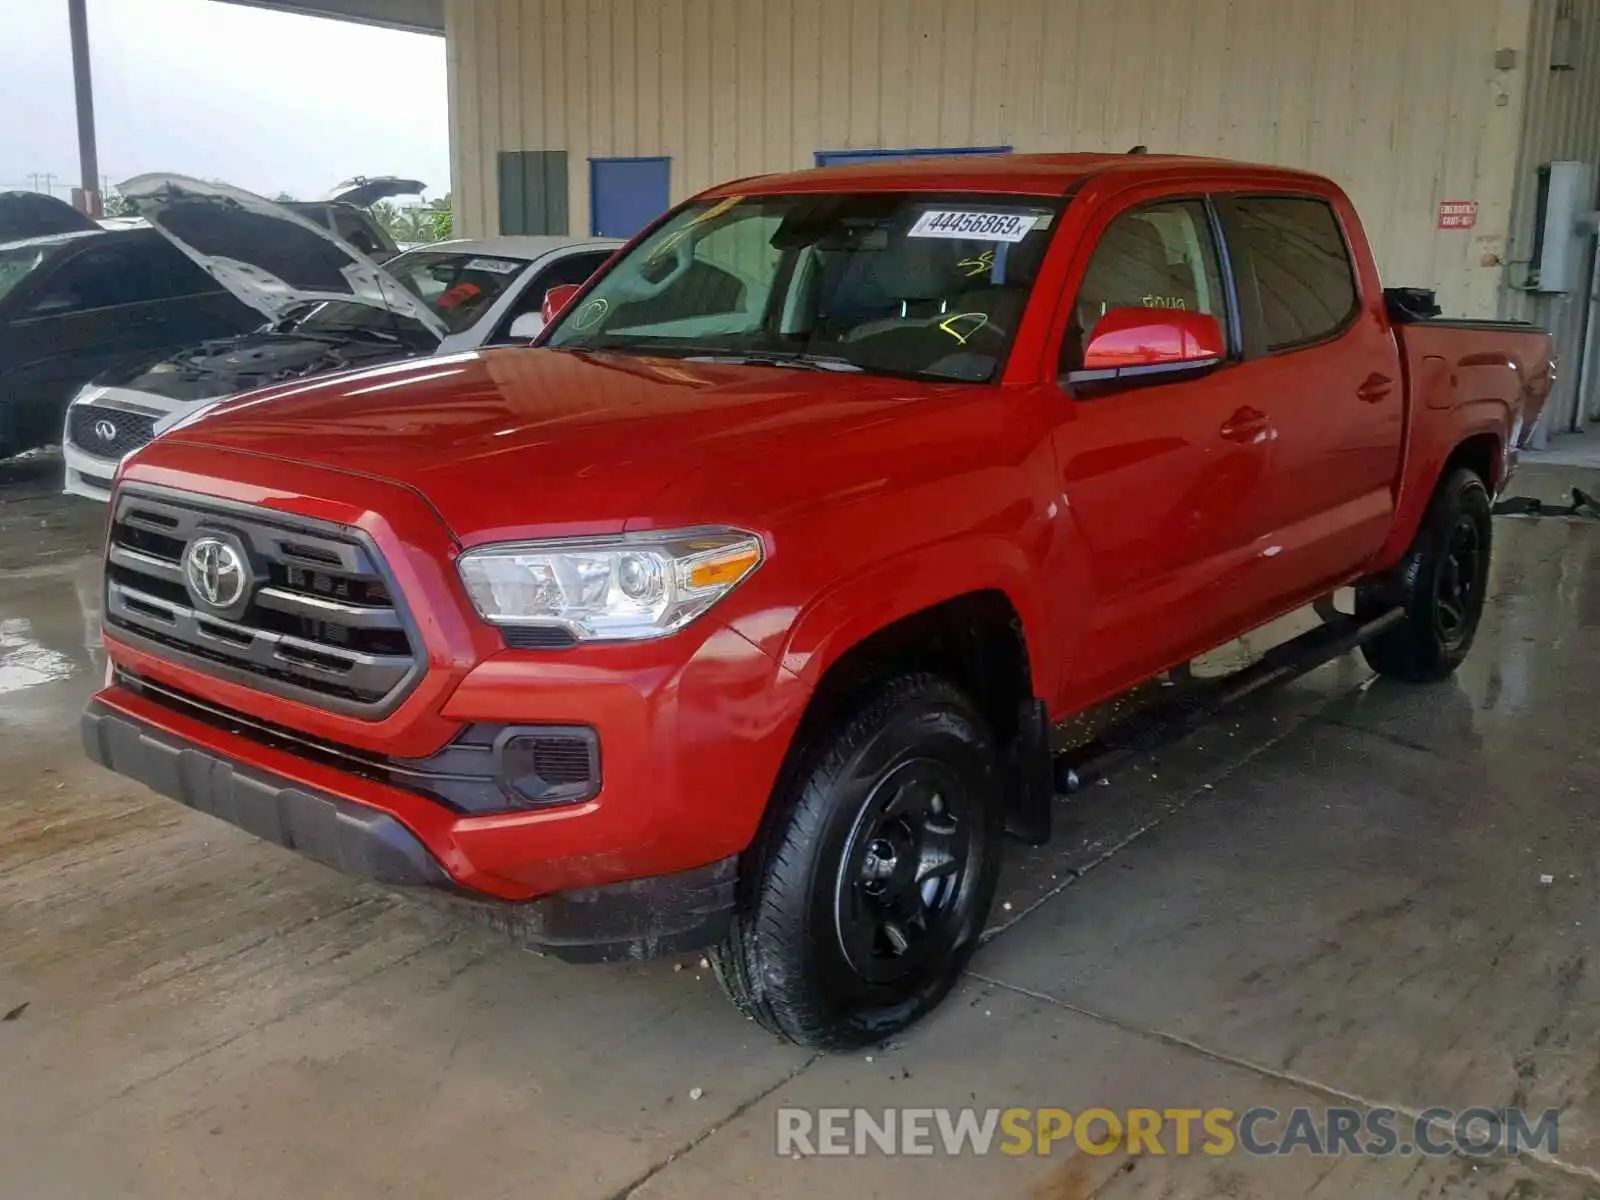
pixel 625 588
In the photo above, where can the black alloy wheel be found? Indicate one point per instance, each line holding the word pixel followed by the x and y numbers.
pixel 867 890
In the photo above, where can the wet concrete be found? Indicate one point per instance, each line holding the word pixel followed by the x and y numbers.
pixel 1335 895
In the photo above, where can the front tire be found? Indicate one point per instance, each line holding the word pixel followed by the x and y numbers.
pixel 1445 575
pixel 868 892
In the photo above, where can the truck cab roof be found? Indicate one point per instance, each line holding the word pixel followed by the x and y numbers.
pixel 1035 174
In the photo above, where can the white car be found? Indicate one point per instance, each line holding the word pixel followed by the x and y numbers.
pixel 326 306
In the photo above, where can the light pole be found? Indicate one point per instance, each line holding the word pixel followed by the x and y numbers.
pixel 88 160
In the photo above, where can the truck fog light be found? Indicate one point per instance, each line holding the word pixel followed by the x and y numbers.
pixel 549 765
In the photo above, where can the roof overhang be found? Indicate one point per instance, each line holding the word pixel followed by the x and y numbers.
pixel 417 16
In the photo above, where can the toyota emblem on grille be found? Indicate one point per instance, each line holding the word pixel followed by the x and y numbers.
pixel 105 430
pixel 215 571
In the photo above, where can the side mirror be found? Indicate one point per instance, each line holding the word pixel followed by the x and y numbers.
pixel 1143 343
pixel 557 298
pixel 528 325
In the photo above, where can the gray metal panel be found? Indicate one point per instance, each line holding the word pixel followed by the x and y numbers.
pixel 533 191
pixel 1561 121
pixel 1399 102
pixel 418 16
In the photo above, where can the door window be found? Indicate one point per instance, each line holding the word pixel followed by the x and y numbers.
pixel 1294 268
pixel 121 269
pixel 1156 256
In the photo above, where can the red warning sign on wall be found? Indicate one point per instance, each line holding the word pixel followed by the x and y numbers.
pixel 1458 214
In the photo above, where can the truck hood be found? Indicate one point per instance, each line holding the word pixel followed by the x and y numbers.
pixel 268 257
pixel 518 443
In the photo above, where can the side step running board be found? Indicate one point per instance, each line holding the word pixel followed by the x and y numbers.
pixel 1200 701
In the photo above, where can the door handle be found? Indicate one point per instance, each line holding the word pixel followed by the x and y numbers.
pixel 1375 389
pixel 1246 425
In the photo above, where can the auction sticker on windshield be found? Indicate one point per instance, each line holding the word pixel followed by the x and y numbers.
pixel 497 266
pixel 972 226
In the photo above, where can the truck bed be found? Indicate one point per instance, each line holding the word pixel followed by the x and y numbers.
pixel 1499 369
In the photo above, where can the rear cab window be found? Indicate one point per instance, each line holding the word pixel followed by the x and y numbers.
pixel 1294 270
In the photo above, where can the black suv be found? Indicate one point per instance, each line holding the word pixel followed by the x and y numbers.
pixel 75 305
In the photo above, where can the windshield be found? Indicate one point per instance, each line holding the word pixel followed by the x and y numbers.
pixel 458 287
pixel 892 282
pixel 18 262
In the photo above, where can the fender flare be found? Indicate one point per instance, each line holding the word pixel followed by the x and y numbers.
pixel 1424 468
pixel 851 610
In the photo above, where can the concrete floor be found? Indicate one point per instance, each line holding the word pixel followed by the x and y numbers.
pixel 1332 896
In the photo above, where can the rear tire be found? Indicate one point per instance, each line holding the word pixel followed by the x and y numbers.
pixel 867 894
pixel 1444 577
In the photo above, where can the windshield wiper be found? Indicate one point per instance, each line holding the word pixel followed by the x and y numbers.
pixel 779 358
pixel 723 355
pixel 366 331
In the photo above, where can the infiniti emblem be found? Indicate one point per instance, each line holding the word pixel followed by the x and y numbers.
pixel 105 430
pixel 215 572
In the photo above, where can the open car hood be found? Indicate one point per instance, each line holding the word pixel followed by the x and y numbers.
pixel 264 254
pixel 33 214
pixel 363 190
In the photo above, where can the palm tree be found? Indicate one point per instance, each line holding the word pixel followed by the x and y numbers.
pixel 386 214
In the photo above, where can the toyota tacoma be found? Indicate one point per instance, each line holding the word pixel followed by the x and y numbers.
pixel 736 613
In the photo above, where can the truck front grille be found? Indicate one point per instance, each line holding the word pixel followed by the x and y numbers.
pixel 318 620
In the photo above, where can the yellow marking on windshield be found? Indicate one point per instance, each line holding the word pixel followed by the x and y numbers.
pixel 979 320
pixel 980 265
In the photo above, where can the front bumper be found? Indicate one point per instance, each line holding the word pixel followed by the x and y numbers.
pixel 641 918
pixel 87 475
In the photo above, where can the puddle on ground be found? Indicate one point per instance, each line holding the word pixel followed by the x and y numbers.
pixel 51 652
pixel 25 662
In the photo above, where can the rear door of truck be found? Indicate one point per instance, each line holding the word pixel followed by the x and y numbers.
pixel 1322 364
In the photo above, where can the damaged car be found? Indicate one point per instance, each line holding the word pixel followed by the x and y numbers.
pixel 344 212
pixel 323 307
pixel 77 300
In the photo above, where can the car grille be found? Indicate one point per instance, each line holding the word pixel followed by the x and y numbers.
pixel 319 623
pixel 108 432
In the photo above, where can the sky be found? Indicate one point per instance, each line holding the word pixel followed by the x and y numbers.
pixel 272 102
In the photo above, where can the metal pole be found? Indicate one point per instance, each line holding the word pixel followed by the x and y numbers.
pixel 88 160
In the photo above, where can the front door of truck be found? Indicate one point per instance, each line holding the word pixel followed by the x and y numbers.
pixel 1322 361
pixel 1161 479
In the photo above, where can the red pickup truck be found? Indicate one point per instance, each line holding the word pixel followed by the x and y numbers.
pixel 736 613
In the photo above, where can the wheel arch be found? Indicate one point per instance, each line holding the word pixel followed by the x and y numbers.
pixel 1479 448
pixel 981 641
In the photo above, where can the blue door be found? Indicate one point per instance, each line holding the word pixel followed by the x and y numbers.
pixel 626 194
pixel 840 158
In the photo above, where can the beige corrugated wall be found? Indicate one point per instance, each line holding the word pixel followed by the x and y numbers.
pixel 1400 100
pixel 1562 122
